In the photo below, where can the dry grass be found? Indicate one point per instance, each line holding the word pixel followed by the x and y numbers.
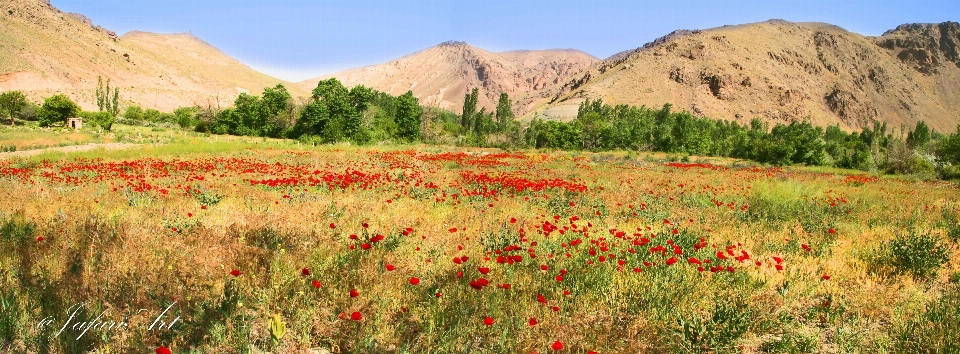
pixel 107 222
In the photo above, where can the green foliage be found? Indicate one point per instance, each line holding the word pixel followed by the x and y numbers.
pixel 469 109
pixel 919 136
pixel 504 111
pixel 934 330
pixel 948 150
pixel 718 331
pixel 335 113
pixel 105 101
pixel 57 109
pixel 11 104
pixel 914 253
pixel 101 119
pixel 133 113
pixel 408 117
pixel 187 117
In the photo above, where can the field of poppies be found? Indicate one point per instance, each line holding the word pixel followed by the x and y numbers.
pixel 284 248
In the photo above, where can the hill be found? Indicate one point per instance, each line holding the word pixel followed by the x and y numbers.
pixel 780 71
pixel 441 75
pixel 44 51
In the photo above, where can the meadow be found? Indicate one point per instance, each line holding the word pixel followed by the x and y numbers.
pixel 266 245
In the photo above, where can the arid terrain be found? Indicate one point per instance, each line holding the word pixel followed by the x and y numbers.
pixel 44 51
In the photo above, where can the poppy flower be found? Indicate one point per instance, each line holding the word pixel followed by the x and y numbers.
pixel 488 321
pixel 305 272
pixel 557 346
pixel 541 299
pixel 354 293
pixel 452 230
pixel 235 273
pixel 559 278
pixel 316 284
pixel 832 231
pixel 163 350
pixel 532 321
pixel 825 277
pixel 390 267
pixel 39 238
pixel 356 316
pixel 672 260
pixel 484 270
pixel 414 281
pixel 332 226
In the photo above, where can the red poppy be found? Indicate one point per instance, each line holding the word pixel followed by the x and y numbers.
pixel 414 281
pixel 672 260
pixel 354 293
pixel 235 273
pixel 305 272
pixel 356 316
pixel 825 277
pixel 365 225
pixel 316 284
pixel 832 231
pixel 557 346
pixel 163 350
pixel 488 321
pixel 452 230
pixel 390 267
pixel 483 270
pixel 332 226
pixel 541 299
pixel 533 321
pixel 39 238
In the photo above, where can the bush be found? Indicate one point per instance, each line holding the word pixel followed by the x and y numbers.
pixel 917 254
pixel 715 332
pixel 57 109
pixel 935 330
pixel 98 119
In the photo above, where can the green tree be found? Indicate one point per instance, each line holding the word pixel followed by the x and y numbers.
pixel 12 103
pixel 469 109
pixel 276 99
pixel 504 111
pixel 106 101
pixel 57 109
pixel 408 116
pixel 133 113
pixel 919 137
pixel 335 113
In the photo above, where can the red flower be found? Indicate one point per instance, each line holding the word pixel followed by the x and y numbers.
pixel 305 272
pixel 672 260
pixel 557 346
pixel 544 267
pixel 316 284
pixel 390 267
pixel 235 273
pixel 532 322
pixel 354 293
pixel 332 226
pixel 452 230
pixel 356 316
pixel 414 281
pixel 163 350
pixel 832 231
pixel 488 321
pixel 39 238
pixel 365 225
pixel 825 277
pixel 513 220
pixel 559 278
pixel 483 270
pixel 541 299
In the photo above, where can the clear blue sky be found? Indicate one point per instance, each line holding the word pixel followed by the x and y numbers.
pixel 299 39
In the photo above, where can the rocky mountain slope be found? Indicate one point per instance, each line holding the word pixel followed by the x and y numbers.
pixel 781 71
pixel 44 51
pixel 441 75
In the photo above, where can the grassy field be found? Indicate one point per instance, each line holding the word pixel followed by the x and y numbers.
pixel 269 246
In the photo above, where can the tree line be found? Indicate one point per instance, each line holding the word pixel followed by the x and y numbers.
pixel 334 113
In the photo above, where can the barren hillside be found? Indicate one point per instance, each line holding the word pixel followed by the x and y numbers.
pixel 780 71
pixel 44 51
pixel 441 75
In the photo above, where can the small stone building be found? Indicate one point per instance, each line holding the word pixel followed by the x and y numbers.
pixel 75 123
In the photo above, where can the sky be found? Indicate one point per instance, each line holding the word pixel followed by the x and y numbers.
pixel 299 39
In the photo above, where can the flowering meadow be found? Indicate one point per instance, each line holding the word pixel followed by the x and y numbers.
pixel 441 250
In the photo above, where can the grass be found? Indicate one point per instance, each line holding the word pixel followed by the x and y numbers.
pixel 169 220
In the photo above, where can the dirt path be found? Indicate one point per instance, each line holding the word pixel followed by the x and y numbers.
pixel 67 149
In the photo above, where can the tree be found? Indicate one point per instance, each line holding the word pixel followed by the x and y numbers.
pixel 919 136
pixel 504 110
pixel 469 109
pixel 57 109
pixel 106 102
pixel 276 99
pixel 335 113
pixel 133 113
pixel 12 102
pixel 408 116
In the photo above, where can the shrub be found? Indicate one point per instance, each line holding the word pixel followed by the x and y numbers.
pixel 98 119
pixel 57 109
pixel 718 331
pixel 935 330
pixel 915 253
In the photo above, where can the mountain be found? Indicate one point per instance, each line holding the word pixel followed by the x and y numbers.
pixel 441 75
pixel 44 51
pixel 781 71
